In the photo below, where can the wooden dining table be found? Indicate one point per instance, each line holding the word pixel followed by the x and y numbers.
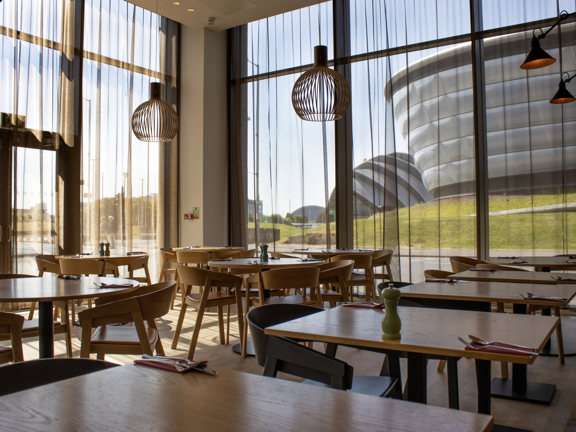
pixel 328 253
pixel 540 263
pixel 529 277
pixel 137 398
pixel 426 332
pixel 47 289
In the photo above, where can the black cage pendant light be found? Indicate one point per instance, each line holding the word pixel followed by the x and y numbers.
pixel 321 94
pixel 155 120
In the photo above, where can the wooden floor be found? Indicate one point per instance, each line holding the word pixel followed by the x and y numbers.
pixel 510 413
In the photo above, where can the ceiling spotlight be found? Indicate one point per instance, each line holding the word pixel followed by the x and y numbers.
pixel 190 9
pixel 176 3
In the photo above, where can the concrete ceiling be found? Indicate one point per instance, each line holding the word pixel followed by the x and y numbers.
pixel 225 13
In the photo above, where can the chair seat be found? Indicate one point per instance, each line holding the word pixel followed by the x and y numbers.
pixel 380 386
pixel 358 277
pixel 330 293
pixel 213 297
pixel 121 335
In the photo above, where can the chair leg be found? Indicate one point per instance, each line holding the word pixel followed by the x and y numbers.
pixel 441 365
pixel 221 325
pixel 227 324
pixel 559 338
pixel 196 332
pixel 179 325
pixel 504 370
pixel 32 309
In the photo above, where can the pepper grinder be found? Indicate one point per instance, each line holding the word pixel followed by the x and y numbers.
pixel 264 252
pixel 101 252
pixel 106 249
pixel 391 322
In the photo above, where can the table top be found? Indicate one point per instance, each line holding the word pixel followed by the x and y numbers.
pixel 50 287
pixel 327 253
pixel 120 259
pixel 514 276
pixel 254 265
pixel 491 292
pixel 140 398
pixel 424 330
pixel 534 261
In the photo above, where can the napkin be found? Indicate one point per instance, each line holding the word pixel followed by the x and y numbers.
pixel 541 297
pixel 72 277
pixel 118 285
pixel 564 278
pixel 301 249
pixel 518 261
pixel 365 305
pixel 481 269
pixel 501 348
pixel 310 259
pixel 448 280
pixel 175 364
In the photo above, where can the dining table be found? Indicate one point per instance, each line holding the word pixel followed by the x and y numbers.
pixel 137 398
pixel 47 289
pixel 217 251
pixel 530 277
pixel 431 332
pixel 539 263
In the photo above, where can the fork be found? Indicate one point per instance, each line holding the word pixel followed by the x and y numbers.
pixel 479 348
pixel 485 342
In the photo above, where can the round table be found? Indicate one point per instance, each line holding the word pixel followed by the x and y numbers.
pixel 47 289
pixel 216 250
pixel 116 259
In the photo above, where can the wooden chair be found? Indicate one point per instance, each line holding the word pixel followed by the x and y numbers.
pixel 460 263
pixel 382 259
pixel 285 355
pixel 436 274
pixel 45 264
pixel 11 328
pixel 362 274
pixel 34 373
pixel 134 261
pixel 217 290
pixel 168 260
pixel 334 275
pixel 140 307
pixel 302 279
pixel 198 259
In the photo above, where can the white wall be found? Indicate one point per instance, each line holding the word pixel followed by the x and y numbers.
pixel 203 138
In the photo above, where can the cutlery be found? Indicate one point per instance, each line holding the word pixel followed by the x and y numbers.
pixel 181 364
pixel 485 342
pixel 529 296
pixel 480 348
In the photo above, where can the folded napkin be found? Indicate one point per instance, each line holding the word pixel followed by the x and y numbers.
pixel 311 259
pixel 71 277
pixel 448 280
pixel 365 250
pixel 508 257
pixel 501 348
pixel 564 278
pixel 221 259
pixel 542 297
pixel 481 269
pixel 118 285
pixel 365 305
pixel 175 364
pixel 518 261
pixel 301 249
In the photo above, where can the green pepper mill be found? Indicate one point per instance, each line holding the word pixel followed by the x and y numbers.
pixel 391 322
pixel 264 252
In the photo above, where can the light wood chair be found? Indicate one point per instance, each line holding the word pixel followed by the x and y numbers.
pixel 362 274
pixel 302 279
pixel 382 259
pixel 216 290
pixel 168 263
pixel 45 264
pixel 334 275
pixel 11 329
pixel 436 274
pixel 460 263
pixel 140 307
pixel 81 266
pixel 134 261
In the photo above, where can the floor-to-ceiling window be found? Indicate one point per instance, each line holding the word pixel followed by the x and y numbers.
pixel 73 73
pixel 436 89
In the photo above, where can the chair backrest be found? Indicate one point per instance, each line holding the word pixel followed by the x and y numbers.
pixel 139 262
pixel 11 324
pixel 47 264
pixel 292 278
pixel 280 255
pixel 193 257
pixel 250 253
pixel 156 303
pixel 81 266
pixel 333 269
pixel 168 255
pixel 34 373
pixel 460 263
pixel 361 261
pixel 382 257
pixel 268 315
pixel 436 274
pixel 193 276
pixel 284 355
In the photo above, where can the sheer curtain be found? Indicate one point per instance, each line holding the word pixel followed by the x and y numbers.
pixel 418 135
pixel 72 74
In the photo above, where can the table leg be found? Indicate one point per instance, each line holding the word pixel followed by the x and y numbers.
pixel 46 329
pixel 483 374
pixel 416 386
pixel 520 389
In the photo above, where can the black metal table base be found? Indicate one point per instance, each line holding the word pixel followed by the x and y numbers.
pixel 568 337
pixel 46 329
pixel 249 349
pixel 534 392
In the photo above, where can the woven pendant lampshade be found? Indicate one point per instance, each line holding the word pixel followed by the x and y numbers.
pixel 155 120
pixel 321 94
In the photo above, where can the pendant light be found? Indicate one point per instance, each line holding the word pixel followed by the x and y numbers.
pixel 155 120
pixel 563 96
pixel 321 94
